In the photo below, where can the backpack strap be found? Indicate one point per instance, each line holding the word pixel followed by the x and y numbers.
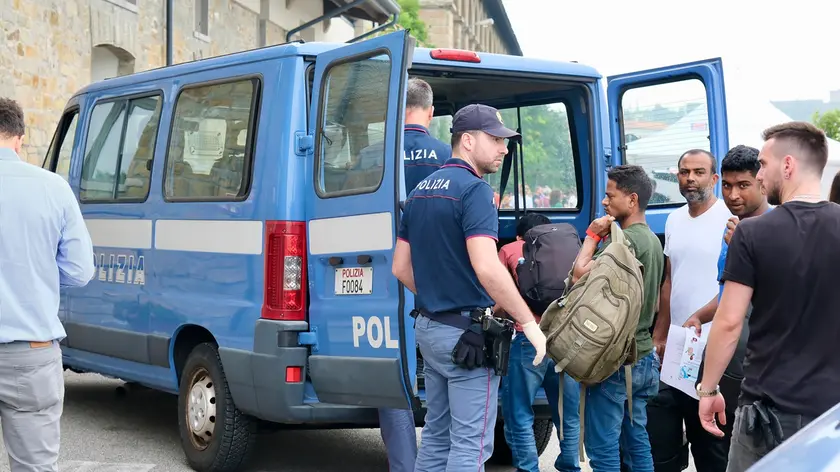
pixel 582 417
pixel 628 383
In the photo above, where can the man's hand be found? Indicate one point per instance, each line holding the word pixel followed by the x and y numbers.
pixel 601 226
pixel 694 322
pixel 709 407
pixel 534 334
pixel 659 342
pixel 730 228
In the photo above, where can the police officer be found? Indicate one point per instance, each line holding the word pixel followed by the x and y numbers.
pixel 423 153
pixel 458 275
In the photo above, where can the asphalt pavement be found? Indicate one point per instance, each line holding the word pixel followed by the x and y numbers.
pixel 107 431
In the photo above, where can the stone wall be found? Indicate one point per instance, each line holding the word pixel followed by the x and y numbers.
pixel 46 51
pixel 452 24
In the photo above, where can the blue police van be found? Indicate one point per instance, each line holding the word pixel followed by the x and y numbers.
pixel 244 257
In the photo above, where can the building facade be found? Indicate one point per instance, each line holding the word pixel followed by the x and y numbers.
pixel 53 48
pixel 475 25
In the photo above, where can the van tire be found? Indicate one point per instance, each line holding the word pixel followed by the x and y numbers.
pixel 231 433
pixel 502 454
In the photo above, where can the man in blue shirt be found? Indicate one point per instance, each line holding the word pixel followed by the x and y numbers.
pixel 44 244
pixel 423 153
pixel 458 274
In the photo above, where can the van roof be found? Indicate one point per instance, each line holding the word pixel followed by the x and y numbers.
pixel 421 57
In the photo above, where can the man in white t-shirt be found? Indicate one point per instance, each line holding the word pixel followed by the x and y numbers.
pixel 692 247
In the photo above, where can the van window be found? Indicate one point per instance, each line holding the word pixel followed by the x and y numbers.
pixel 63 141
pixel 350 139
pixel 62 166
pixel 209 155
pixel 660 122
pixel 548 155
pixel 120 147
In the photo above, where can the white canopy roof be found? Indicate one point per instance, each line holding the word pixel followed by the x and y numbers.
pixel 747 118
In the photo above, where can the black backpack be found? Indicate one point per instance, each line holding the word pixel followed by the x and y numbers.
pixel 549 252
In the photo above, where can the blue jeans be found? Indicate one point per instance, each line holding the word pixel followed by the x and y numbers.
pixel 607 420
pixel 400 437
pixel 519 388
pixel 461 405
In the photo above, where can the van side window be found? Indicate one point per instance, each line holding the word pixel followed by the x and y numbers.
pixel 209 155
pixel 61 148
pixel 119 150
pixel 350 137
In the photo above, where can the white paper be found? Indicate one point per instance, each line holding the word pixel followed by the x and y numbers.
pixel 681 362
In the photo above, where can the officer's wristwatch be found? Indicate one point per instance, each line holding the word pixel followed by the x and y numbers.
pixel 707 393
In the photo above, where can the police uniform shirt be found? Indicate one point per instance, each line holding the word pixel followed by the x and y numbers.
pixel 445 210
pixel 423 154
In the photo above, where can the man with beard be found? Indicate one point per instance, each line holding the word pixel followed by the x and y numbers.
pixel 785 263
pixel 459 276
pixel 743 196
pixel 692 247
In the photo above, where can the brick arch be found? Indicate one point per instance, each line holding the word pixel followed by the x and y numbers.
pixel 108 60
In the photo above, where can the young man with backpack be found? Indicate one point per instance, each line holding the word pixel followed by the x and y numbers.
pixel 611 413
pixel 519 387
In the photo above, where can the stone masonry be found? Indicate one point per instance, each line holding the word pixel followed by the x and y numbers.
pixel 47 46
pixel 453 24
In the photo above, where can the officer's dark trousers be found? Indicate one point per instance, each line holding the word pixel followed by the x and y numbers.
pixel 666 413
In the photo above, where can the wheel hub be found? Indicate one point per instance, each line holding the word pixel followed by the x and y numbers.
pixel 201 408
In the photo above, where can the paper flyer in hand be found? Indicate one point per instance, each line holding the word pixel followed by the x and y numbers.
pixel 681 362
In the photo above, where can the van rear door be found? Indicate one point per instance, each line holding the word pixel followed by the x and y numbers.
pixel 364 353
pixel 658 114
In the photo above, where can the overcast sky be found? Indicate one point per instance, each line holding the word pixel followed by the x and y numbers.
pixel 785 53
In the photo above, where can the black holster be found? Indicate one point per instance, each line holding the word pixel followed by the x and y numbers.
pixel 498 334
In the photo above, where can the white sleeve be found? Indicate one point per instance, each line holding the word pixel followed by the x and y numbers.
pixel 666 249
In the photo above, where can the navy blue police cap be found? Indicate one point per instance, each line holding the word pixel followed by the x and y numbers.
pixel 477 117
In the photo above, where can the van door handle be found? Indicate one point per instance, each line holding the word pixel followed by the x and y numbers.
pixel 364 259
pixel 335 261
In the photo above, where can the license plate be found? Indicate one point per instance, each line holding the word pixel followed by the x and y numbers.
pixel 354 281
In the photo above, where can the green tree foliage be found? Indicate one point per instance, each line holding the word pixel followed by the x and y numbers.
pixel 410 20
pixel 828 122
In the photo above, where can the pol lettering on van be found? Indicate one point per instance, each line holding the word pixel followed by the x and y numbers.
pixel 376 330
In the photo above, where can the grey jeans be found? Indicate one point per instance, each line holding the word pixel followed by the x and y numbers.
pixel 461 405
pixel 748 447
pixel 31 404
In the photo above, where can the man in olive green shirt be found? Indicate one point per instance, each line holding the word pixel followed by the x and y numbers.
pixel 607 420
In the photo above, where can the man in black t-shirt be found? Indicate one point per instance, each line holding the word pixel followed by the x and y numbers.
pixel 784 262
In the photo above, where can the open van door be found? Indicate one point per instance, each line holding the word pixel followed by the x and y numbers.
pixel 658 114
pixel 365 351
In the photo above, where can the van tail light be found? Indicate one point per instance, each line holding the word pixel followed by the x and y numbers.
pixel 285 271
pixel 458 55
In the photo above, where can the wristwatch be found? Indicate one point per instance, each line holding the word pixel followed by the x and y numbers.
pixel 707 393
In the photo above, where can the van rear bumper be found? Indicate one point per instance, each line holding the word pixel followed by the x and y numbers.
pixel 257 383
pixel 257 380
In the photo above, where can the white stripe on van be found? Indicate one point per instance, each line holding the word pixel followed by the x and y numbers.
pixel 372 232
pixel 218 236
pixel 129 234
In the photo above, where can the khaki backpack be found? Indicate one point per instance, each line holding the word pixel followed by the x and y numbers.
pixel 591 330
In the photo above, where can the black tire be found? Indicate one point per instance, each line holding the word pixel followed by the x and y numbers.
pixel 502 454
pixel 231 441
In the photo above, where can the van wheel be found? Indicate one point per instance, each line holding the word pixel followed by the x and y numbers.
pixel 215 436
pixel 502 454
